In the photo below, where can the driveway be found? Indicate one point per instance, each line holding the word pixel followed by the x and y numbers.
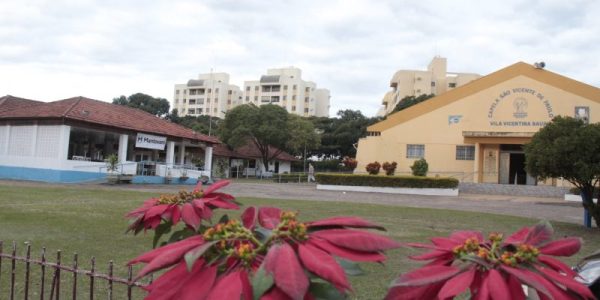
pixel 554 209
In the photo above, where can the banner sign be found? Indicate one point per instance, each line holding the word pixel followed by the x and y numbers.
pixel 150 141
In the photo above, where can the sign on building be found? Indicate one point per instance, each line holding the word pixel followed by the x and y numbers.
pixel 150 141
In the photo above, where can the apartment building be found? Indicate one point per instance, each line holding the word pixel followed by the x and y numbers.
pixel 211 95
pixel 435 80
pixel 286 88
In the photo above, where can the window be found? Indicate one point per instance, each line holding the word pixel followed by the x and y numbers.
pixel 293 108
pixel 216 100
pixel 255 98
pixel 465 152
pixel 208 91
pixel 216 90
pixel 191 111
pixel 247 88
pixel 192 101
pixel 247 98
pixel 176 92
pixel 307 89
pixel 452 84
pixel 184 100
pixel 284 97
pixel 252 163
pixel 415 151
pixel 293 97
pixel 230 92
pixel 201 101
pixel 433 83
pixel 199 110
pixel 256 88
pixel 184 92
pixel 295 87
pixel 285 87
pixel 306 99
pixel 306 110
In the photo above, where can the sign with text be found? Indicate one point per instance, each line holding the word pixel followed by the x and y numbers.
pixel 150 141
pixel 517 104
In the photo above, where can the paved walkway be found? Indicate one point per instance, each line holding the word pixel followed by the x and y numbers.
pixel 554 209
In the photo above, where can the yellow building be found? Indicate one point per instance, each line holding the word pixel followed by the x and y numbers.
pixel 475 132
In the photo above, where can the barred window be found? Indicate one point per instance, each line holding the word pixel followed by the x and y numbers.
pixel 465 152
pixel 415 151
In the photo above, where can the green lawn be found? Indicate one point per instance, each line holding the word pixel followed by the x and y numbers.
pixel 91 223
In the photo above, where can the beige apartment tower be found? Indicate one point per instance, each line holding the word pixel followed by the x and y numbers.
pixel 209 95
pixel 286 88
pixel 435 80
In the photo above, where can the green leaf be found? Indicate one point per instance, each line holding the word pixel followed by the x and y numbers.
pixel 325 291
pixel 262 234
pixel 351 268
pixel 224 219
pixel 261 282
pixel 193 255
pixel 161 229
pixel 180 235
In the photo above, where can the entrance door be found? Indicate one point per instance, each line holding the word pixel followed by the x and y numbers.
pixel 512 166
pixel 276 167
pixel 516 173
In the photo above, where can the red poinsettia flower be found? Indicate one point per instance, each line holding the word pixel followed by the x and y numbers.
pixel 189 207
pixel 268 255
pixel 495 268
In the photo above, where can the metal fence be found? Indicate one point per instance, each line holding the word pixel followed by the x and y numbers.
pixel 42 279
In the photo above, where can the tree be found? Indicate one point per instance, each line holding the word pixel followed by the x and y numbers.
pixel 409 101
pixel 201 124
pixel 303 136
pixel 568 148
pixel 147 103
pixel 339 135
pixel 264 126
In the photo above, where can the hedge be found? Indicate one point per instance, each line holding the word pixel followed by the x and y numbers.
pixel 387 181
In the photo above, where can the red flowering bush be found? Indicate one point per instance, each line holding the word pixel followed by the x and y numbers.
pixel 389 168
pixel 495 268
pixel 269 255
pixel 164 212
pixel 349 163
pixel 373 168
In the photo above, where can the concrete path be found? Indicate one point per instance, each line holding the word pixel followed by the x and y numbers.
pixel 554 209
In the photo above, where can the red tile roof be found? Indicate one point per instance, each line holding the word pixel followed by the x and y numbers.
pixel 96 112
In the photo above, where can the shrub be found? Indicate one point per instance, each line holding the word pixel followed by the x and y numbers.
pixel 420 167
pixel 387 181
pixel 389 168
pixel 349 163
pixel 267 253
pixel 494 267
pixel 294 177
pixel 373 168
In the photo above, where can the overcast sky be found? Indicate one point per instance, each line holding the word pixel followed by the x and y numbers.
pixel 57 49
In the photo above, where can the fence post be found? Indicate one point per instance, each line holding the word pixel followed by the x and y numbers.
pixel 13 271
pixel 129 281
pixel 75 276
pixel 92 278
pixel 43 266
pixel 27 265
pixel 110 279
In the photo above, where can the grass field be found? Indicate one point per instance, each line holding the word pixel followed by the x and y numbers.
pixel 91 223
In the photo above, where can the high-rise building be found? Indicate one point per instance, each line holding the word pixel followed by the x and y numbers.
pixel 286 88
pixel 435 80
pixel 210 95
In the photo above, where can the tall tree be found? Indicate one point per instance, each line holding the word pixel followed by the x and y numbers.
pixel 409 101
pixel 263 126
pixel 342 133
pixel 570 149
pixel 147 103
pixel 304 137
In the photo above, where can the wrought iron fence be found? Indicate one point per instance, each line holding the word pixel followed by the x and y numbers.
pixel 80 283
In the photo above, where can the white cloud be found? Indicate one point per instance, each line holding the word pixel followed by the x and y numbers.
pixel 102 49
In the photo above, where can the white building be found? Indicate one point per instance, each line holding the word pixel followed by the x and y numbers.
pixel 286 88
pixel 435 80
pixel 69 140
pixel 210 95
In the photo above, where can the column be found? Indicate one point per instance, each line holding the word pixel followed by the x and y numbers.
pixel 123 140
pixel 476 164
pixel 208 153
pixel 170 154
pixel 182 154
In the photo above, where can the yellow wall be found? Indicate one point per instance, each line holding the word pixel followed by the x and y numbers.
pixel 519 105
